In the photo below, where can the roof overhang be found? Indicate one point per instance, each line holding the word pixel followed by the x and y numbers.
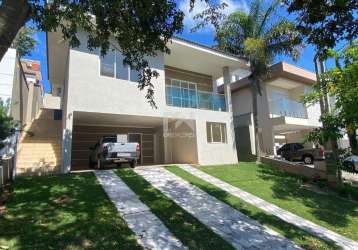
pixel 281 70
pixel 201 59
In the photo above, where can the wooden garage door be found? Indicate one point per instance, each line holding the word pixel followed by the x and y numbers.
pixel 84 137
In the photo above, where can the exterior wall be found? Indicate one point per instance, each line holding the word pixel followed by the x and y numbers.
pixel 242 101
pixel 87 91
pixel 7 71
pixel 51 102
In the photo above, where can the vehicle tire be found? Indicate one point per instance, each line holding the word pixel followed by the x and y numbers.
pixel 350 166
pixel 133 163
pixel 307 159
pixel 287 158
pixel 91 163
pixel 100 164
pixel 119 164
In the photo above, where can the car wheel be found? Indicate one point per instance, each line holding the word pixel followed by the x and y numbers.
pixel 308 159
pixel 133 163
pixel 100 164
pixel 350 166
pixel 90 163
pixel 119 164
pixel 287 159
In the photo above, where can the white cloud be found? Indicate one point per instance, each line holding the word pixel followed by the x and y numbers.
pixel 189 22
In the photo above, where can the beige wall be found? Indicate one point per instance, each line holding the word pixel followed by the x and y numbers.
pixel 204 82
pixel 242 101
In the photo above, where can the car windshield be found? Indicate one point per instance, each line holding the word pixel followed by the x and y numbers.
pixel 109 139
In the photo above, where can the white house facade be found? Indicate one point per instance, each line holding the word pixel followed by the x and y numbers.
pixel 99 96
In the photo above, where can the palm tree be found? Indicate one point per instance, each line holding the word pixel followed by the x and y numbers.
pixel 259 36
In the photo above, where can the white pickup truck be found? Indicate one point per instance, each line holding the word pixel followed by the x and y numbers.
pixel 109 150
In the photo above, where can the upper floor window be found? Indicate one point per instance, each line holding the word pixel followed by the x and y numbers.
pixel 216 132
pixel 111 65
pixel 107 63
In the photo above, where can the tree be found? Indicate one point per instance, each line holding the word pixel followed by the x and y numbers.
pixel 326 22
pixel 6 122
pixel 141 28
pixel 257 36
pixel 342 85
pixel 24 42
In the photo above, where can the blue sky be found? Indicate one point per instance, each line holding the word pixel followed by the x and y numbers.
pixel 204 36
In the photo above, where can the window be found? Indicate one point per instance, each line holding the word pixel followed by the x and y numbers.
pixel 112 65
pixel 134 77
pixel 107 63
pixel 216 132
pixel 121 69
pixel 181 94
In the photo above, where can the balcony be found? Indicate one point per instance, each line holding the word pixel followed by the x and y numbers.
pixel 287 107
pixel 192 98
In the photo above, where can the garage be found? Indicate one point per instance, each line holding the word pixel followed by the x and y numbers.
pixel 157 146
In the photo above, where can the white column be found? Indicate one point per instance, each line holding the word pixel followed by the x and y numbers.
pixel 215 87
pixel 227 89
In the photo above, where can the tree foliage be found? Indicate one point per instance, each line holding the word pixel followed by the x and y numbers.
pixel 326 22
pixel 140 28
pixel 24 43
pixel 341 84
pixel 6 122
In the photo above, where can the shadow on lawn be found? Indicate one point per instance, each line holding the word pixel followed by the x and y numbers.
pixel 329 208
pixel 63 212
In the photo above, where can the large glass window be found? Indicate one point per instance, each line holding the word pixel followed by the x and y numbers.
pixel 107 63
pixel 216 132
pixel 111 65
pixel 121 69
pixel 182 94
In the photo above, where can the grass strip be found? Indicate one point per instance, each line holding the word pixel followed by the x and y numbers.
pixel 62 212
pixel 293 194
pixel 189 230
pixel 290 231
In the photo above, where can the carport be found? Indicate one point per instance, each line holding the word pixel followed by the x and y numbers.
pixel 162 140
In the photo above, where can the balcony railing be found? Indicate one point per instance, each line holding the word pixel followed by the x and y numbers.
pixel 191 98
pixel 287 107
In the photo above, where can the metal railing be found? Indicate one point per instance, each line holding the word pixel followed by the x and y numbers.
pixel 191 98
pixel 287 107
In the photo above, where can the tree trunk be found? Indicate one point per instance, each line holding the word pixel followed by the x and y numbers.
pixel 256 123
pixel 13 15
pixel 352 136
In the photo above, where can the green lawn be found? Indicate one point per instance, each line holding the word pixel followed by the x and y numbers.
pixel 191 232
pixel 62 212
pixel 289 231
pixel 286 191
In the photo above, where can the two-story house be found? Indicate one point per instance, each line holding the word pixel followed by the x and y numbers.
pixel 97 96
pixel 282 117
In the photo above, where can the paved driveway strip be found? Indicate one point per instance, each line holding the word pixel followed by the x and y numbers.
pixel 235 227
pixel 150 231
pixel 289 217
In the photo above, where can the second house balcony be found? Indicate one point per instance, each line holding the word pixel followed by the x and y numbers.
pixel 192 98
pixel 287 107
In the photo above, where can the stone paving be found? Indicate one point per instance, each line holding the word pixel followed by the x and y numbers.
pixel 233 226
pixel 291 218
pixel 151 233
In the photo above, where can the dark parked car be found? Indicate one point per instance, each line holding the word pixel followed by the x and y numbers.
pixel 296 151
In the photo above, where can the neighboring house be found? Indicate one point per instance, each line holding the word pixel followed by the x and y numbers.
pixel 99 96
pixel 282 117
pixel 7 71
